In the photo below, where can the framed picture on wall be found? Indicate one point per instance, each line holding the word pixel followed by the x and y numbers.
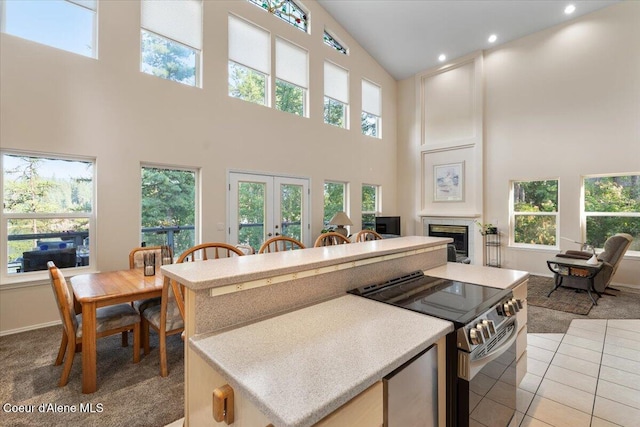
pixel 448 182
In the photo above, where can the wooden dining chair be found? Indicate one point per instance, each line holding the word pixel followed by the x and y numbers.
pixel 168 317
pixel 164 255
pixel 110 320
pixel 280 244
pixel 330 238
pixel 366 235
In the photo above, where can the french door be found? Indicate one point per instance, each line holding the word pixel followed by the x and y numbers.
pixel 263 206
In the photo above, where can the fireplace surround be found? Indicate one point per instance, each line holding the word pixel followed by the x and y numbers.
pixel 456 227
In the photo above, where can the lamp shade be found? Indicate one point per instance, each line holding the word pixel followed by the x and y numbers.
pixel 340 218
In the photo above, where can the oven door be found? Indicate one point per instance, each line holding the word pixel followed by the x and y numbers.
pixel 487 381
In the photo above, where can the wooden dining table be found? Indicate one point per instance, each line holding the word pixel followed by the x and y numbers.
pixel 95 290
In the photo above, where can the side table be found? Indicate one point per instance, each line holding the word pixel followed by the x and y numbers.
pixel 561 267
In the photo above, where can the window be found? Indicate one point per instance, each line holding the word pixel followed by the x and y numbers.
pixel 291 78
pixel 534 206
pixel 370 206
pixel 612 205
pixel 48 212
pixel 249 61
pixel 64 24
pixel 334 200
pixel 168 208
pixel 371 109
pixel 331 41
pixel 287 10
pixel 336 95
pixel 171 40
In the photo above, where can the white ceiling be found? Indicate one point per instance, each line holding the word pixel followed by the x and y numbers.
pixel 407 36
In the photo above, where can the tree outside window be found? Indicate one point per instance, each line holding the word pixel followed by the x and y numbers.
pixel 167 59
pixel 334 200
pixel 612 205
pixel 168 208
pixel 535 212
pixel 48 205
pixel 369 206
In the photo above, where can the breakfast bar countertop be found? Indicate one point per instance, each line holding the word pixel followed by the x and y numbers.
pixel 301 366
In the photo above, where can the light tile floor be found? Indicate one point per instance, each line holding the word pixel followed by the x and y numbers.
pixel 588 377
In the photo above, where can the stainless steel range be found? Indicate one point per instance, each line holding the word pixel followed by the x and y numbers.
pixel 481 352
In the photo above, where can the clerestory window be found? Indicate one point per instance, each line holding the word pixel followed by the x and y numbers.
pixel 287 10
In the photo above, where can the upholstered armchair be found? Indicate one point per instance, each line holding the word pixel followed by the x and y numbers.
pixel 614 250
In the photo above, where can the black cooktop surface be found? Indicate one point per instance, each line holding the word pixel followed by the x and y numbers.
pixel 458 302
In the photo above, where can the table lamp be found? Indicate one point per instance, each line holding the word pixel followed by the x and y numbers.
pixel 340 219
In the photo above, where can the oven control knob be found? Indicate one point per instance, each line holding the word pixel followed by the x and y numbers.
pixel 508 310
pixel 519 303
pixel 511 308
pixel 476 336
pixel 514 303
pixel 483 331
pixel 490 326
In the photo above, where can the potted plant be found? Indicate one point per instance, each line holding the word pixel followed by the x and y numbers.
pixel 487 228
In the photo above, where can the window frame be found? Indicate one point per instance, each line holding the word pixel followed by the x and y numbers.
pixel 513 214
pixel 334 42
pixel 72 3
pixel 276 77
pixel 196 214
pixel 345 200
pixel 305 13
pixel 377 202
pixel 584 215
pixel 365 113
pixel 5 217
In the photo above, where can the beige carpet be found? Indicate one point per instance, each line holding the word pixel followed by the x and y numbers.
pixel 130 394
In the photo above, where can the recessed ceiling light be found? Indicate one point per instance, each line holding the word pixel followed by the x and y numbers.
pixel 442 57
pixel 493 38
pixel 569 9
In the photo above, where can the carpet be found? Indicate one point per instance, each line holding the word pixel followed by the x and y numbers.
pixel 562 299
pixel 128 394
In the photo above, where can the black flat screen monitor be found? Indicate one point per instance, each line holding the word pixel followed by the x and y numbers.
pixel 37 260
pixel 388 225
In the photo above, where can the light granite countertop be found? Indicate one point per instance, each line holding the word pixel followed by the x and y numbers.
pixel 301 366
pixel 502 278
pixel 226 271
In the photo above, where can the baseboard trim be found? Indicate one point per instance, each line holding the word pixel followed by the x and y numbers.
pixel 29 328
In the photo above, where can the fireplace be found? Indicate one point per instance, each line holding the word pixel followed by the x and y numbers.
pixel 459 234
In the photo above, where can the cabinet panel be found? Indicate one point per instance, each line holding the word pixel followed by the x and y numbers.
pixel 363 410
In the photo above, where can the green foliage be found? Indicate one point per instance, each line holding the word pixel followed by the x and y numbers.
pixel 334 112
pixel 616 194
pixel 535 196
pixel 168 59
pixel 247 84
pixel 291 210
pixel 535 229
pixel 333 200
pixel 168 200
pixel 27 191
pixel 251 213
pixel 370 124
pixel 289 98
pixel 369 193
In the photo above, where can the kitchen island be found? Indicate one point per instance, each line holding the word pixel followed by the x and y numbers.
pixel 279 329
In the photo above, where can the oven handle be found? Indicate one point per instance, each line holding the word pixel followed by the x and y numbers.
pixel 467 369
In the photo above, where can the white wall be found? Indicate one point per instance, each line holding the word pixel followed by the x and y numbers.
pixel 560 104
pixel 57 102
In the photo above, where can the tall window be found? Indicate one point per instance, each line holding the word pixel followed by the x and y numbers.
pixel 371 109
pixel 168 208
pixel 291 78
pixel 333 42
pixel 336 95
pixel 249 61
pixel 534 207
pixel 48 212
pixel 171 40
pixel 370 206
pixel 612 205
pixel 334 200
pixel 64 24
pixel 287 10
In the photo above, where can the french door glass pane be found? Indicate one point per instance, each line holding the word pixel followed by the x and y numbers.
pixel 251 213
pixel 291 210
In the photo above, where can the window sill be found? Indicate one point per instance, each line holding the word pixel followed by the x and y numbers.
pixel 19 281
